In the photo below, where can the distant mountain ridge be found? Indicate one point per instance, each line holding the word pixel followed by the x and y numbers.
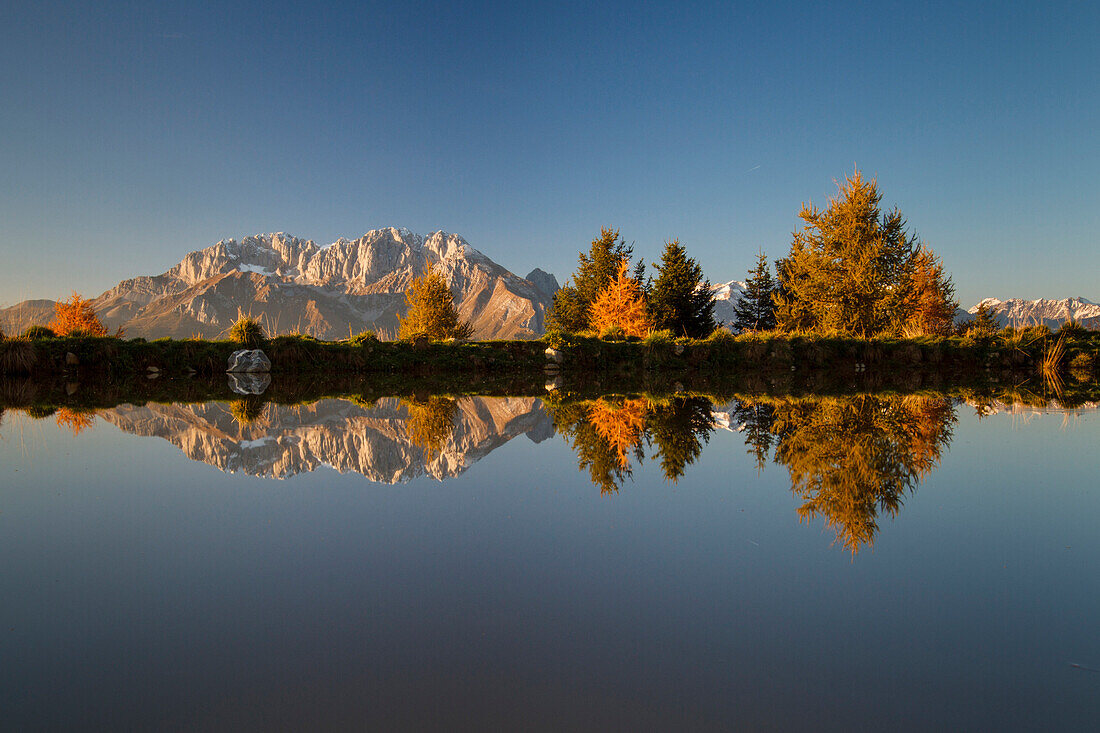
pixel 726 297
pixel 330 291
pixel 1015 311
pixel 1041 312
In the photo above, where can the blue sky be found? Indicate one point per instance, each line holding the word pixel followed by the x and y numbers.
pixel 134 133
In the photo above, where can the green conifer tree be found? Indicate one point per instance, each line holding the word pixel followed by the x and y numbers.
pixel 570 309
pixel 984 323
pixel 681 299
pixel 755 311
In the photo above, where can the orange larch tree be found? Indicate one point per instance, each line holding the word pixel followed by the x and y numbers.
pixel 76 314
pixel 621 304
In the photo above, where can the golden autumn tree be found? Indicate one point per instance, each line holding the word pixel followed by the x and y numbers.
pixel 932 301
pixel 76 315
pixel 855 269
pixel 620 305
pixel 431 309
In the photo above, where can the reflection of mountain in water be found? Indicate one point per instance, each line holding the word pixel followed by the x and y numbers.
pixel 373 441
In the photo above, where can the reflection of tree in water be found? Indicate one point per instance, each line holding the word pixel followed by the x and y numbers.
pixel 431 422
pixel 679 428
pixel 607 433
pixel 620 424
pixel 76 419
pixel 248 410
pixel 756 420
pixel 852 458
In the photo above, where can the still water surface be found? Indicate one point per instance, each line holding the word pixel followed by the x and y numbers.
pixel 865 563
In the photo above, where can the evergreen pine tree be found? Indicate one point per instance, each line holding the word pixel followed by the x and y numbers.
pixel 984 322
pixel 680 298
pixel 931 297
pixel 570 309
pixel 431 309
pixel 755 311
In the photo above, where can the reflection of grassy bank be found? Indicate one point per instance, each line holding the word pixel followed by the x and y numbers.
pixel 44 395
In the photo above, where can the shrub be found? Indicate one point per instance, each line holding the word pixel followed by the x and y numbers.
pixel 721 336
pixel 17 356
pixel 247 332
pixel 659 338
pixel 363 338
pixel 613 333
pixel 39 332
pixel 1072 329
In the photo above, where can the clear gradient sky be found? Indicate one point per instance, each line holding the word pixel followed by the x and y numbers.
pixel 133 133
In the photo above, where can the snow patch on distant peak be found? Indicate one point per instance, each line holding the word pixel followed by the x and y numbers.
pixel 988 303
pixel 726 291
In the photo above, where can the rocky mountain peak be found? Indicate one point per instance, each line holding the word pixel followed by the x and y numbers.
pixel 349 285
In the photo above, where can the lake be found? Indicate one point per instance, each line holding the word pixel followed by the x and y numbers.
pixel 863 562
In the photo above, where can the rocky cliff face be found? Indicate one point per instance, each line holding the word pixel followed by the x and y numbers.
pixel 374 441
pixel 292 284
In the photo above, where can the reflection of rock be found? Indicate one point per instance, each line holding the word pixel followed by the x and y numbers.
pixel 249 360
pixel 247 383
pixel 373 441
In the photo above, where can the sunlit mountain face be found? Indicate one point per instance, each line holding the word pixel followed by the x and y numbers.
pixel 295 285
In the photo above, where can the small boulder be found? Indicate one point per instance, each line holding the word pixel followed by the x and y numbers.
pixel 678 349
pixel 249 360
pixel 70 359
pixel 554 355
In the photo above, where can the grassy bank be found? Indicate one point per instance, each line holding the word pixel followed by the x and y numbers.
pixel 717 364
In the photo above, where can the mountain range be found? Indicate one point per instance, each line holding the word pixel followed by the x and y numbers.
pixel 1042 312
pixel 329 292
pixel 333 291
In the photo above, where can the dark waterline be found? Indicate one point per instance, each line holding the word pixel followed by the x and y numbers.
pixel 146 588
